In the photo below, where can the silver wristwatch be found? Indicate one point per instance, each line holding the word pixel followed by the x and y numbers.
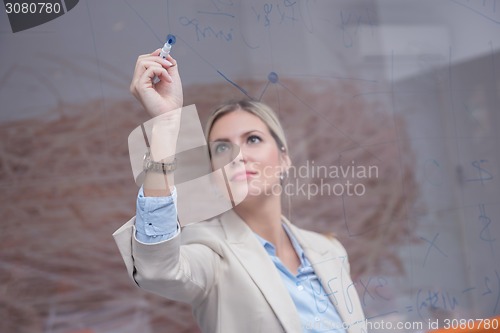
pixel 150 165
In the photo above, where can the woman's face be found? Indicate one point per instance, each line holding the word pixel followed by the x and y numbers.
pixel 260 162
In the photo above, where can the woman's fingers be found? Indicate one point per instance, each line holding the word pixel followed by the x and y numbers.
pixel 160 97
pixel 164 74
pixel 172 60
pixel 146 79
pixel 173 70
pixel 145 62
pixel 150 62
pixel 154 56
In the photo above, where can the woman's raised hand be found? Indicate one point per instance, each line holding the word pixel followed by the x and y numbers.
pixel 163 96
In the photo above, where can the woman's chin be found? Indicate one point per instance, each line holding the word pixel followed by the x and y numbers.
pixel 239 191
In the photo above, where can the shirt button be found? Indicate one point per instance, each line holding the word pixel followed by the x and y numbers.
pixel 300 287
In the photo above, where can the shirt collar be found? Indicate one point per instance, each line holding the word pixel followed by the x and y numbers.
pixel 271 249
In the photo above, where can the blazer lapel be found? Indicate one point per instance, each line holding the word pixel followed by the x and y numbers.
pixel 261 269
pixel 330 267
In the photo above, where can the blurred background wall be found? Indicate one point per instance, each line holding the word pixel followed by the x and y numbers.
pixel 411 87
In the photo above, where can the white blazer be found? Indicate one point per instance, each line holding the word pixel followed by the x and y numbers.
pixel 221 270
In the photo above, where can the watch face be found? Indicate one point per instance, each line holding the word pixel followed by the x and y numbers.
pixel 147 161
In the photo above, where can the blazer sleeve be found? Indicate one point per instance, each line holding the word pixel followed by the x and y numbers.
pixel 184 273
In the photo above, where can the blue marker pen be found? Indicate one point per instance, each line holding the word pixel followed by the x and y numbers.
pixel 165 51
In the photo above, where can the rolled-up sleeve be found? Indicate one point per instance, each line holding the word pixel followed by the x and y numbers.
pixel 156 218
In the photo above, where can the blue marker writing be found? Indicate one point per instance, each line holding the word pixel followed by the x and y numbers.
pixel 164 52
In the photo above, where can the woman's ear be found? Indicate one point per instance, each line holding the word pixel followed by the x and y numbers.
pixel 286 162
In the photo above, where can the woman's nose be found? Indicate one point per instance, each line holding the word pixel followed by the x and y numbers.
pixel 241 157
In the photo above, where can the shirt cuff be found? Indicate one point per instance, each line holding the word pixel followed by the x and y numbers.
pixel 156 217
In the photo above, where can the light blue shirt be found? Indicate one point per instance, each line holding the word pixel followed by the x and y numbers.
pixel 316 312
pixel 156 221
pixel 156 218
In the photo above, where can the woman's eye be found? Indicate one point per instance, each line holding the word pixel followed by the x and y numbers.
pixel 221 148
pixel 254 139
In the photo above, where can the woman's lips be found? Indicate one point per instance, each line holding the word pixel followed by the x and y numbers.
pixel 244 175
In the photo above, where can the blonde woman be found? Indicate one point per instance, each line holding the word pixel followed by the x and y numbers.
pixel 249 269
